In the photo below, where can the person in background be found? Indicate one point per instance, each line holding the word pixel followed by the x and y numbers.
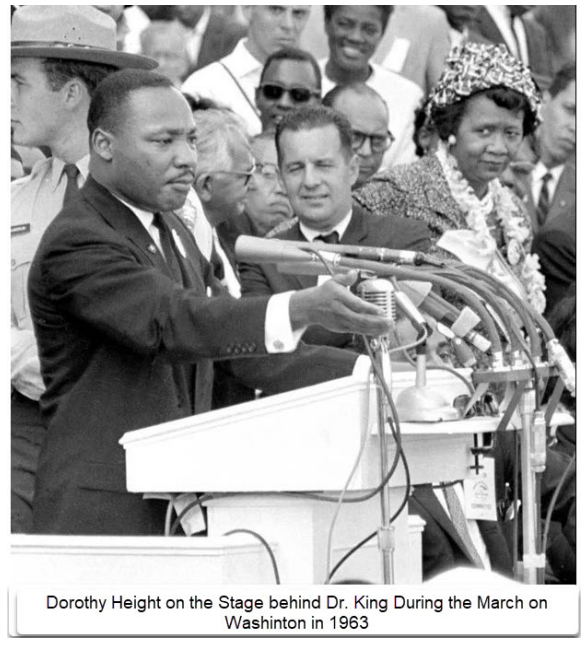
pixel 415 44
pixel 224 171
pixel 165 42
pixel 551 188
pixel 354 33
pixel 368 115
pixel 560 24
pixel 209 35
pixel 515 28
pixel 231 82
pixel 461 18
pixel 59 55
pixel 290 79
pixel 266 203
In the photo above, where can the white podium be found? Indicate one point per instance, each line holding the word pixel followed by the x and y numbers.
pixel 262 458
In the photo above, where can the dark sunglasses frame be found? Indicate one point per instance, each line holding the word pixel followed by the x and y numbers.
pixel 274 92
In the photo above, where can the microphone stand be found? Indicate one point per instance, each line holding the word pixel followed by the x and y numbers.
pixel 381 292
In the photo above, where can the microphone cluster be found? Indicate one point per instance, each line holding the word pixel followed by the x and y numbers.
pixel 511 328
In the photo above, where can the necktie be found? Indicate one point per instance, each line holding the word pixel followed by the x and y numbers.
pixel 543 200
pixel 168 247
pixel 460 523
pixel 72 188
pixel 329 239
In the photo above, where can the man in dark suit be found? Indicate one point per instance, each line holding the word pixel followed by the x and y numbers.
pixel 525 37
pixel 319 168
pixel 126 331
pixel 209 35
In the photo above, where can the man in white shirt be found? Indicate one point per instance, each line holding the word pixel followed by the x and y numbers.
pixel 59 55
pixel 231 82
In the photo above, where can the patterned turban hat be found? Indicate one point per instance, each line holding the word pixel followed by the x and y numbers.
pixel 474 67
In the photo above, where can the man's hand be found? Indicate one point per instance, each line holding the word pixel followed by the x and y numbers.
pixel 332 306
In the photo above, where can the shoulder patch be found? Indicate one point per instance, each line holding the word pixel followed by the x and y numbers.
pixel 16 230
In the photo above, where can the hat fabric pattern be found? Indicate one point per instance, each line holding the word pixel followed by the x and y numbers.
pixel 474 67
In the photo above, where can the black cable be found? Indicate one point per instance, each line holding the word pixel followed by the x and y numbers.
pixel 265 544
pixel 358 546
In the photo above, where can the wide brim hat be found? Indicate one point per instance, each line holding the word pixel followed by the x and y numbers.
pixel 70 32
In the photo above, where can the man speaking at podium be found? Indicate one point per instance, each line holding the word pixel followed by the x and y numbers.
pixel 126 331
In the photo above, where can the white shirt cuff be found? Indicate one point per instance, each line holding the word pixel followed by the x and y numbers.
pixel 279 336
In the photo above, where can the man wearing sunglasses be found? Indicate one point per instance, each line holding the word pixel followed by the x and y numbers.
pixel 231 82
pixel 290 79
pixel 369 117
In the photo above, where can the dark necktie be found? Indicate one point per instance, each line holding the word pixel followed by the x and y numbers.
pixel 329 239
pixel 72 188
pixel 543 200
pixel 460 523
pixel 168 247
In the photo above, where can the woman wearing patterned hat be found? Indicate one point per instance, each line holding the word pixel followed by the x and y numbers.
pixel 484 104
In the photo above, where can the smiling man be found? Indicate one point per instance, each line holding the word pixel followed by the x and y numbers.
pixel 126 331
pixel 319 167
pixel 232 81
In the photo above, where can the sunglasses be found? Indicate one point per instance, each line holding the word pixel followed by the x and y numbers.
pixel 379 143
pixel 273 92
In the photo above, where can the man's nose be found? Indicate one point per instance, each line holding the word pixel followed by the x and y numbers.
pixel 287 22
pixel 185 155
pixel 365 149
pixel 285 101
pixel 311 177
pixel 498 144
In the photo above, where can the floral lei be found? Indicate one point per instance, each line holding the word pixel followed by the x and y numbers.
pixel 525 266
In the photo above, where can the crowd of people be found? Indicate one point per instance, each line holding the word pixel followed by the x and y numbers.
pixel 146 139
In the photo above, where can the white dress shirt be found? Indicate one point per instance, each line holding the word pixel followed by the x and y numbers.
pixel 213 82
pixel 537 177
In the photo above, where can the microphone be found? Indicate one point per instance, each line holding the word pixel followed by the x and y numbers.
pixel 379 292
pixel 460 323
pixel 273 250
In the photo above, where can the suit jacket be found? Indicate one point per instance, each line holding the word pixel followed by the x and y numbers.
pixel 539 52
pixel 363 229
pixel 119 342
pixel 564 198
pixel 556 247
pixel 219 39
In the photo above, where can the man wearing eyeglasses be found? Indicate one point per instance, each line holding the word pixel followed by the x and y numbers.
pixel 290 79
pixel 369 117
pixel 231 82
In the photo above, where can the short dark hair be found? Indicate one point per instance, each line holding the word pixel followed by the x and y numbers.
pixel 293 54
pixel 60 71
pixel 310 117
pixel 111 95
pixel 385 10
pixel 447 119
pixel 564 77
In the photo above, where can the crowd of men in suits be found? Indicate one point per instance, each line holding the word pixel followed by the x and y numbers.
pixel 136 310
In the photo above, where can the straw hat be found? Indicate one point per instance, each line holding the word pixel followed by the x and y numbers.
pixel 71 32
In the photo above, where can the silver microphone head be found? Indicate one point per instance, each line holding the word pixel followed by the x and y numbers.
pixel 379 292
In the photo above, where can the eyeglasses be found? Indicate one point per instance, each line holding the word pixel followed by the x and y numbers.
pixel 273 92
pixel 379 143
pixel 247 175
pixel 268 171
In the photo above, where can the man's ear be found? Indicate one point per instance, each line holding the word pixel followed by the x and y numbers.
pixel 74 93
pixel 354 168
pixel 101 142
pixel 203 186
